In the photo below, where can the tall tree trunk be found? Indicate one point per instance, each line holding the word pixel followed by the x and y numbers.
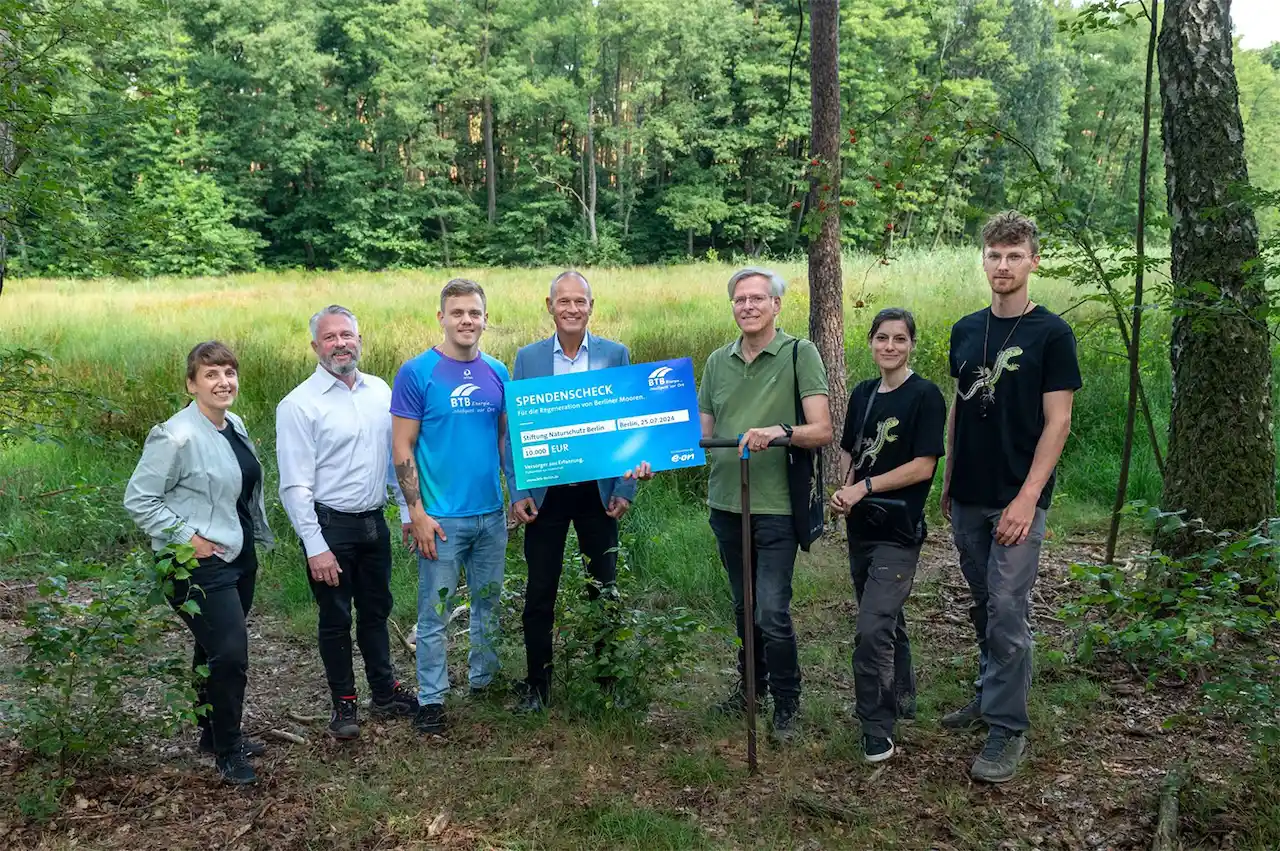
pixel 490 163
pixel 1221 464
pixel 826 299
pixel 8 156
pixel 590 164
pixel 1135 337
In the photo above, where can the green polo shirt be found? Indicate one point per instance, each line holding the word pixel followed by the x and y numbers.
pixel 743 396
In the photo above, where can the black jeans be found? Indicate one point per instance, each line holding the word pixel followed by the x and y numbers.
pixel 224 592
pixel 362 545
pixel 544 541
pixel 883 678
pixel 773 561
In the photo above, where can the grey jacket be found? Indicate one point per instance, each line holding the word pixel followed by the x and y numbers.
pixel 536 360
pixel 187 481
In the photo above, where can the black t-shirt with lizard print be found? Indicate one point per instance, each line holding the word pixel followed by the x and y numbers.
pixel 999 405
pixel 905 423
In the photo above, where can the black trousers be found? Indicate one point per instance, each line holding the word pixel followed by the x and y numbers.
pixel 224 593
pixel 773 562
pixel 362 545
pixel 544 542
pixel 882 674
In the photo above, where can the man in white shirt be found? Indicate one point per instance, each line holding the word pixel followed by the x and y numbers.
pixel 333 445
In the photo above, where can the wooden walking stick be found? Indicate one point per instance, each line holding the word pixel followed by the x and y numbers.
pixel 748 586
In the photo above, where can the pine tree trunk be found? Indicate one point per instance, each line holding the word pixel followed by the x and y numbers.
pixel 826 299
pixel 1221 463
pixel 590 164
pixel 490 165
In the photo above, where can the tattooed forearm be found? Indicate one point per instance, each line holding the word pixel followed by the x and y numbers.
pixel 407 475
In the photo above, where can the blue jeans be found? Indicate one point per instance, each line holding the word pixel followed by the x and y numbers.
pixel 478 544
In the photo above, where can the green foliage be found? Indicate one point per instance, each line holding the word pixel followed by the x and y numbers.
pixel 206 136
pixel 95 673
pixel 36 405
pixel 1207 617
pixel 600 638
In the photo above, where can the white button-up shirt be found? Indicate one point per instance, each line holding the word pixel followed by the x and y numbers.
pixel 333 446
pixel 561 364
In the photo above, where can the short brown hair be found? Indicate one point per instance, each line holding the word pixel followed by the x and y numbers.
pixel 461 286
pixel 210 353
pixel 1011 228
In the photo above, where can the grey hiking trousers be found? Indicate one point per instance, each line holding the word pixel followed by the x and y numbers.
pixel 1000 581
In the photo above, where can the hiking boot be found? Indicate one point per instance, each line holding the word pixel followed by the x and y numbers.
pixel 967 717
pixel 906 706
pixel 876 749
pixel 236 770
pixel 786 719
pixel 344 723
pixel 532 698
pixel 1000 756
pixel 400 703
pixel 248 747
pixel 430 719
pixel 735 705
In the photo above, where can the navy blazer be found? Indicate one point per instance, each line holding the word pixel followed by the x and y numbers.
pixel 537 360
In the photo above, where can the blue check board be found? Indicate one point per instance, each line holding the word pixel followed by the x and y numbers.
pixel 601 423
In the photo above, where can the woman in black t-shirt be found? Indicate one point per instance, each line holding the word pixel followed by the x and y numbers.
pixel 893 437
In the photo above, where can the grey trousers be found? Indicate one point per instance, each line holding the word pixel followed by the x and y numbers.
pixel 882 675
pixel 1000 581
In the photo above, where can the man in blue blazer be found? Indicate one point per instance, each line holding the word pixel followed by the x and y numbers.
pixel 594 508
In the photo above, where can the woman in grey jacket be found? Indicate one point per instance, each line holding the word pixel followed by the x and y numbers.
pixel 199 482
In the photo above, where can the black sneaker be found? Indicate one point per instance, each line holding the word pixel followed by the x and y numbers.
pixel 344 723
pixel 1000 756
pixel 532 698
pixel 967 717
pixel 401 703
pixel 430 719
pixel 248 747
pixel 876 749
pixel 735 705
pixel 236 770
pixel 786 719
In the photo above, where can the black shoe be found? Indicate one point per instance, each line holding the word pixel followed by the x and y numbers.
pixel 786 719
pixel 735 705
pixel 400 703
pixel 494 691
pixel 967 717
pixel 430 719
pixel 236 770
pixel 344 723
pixel 876 749
pixel 906 706
pixel 532 697
pixel 1000 757
pixel 248 747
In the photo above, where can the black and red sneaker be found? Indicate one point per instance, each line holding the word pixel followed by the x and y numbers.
pixel 344 723
pixel 401 702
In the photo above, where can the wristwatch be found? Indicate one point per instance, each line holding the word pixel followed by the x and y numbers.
pixel 868 481
pixel 786 429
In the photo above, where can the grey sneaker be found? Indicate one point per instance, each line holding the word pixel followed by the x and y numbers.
pixel 967 717
pixel 786 720
pixel 1000 756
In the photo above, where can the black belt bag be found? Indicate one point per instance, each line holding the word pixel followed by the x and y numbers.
pixel 880 520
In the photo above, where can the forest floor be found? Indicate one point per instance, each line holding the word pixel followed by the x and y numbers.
pixel 676 778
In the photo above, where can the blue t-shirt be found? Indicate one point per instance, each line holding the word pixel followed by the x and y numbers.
pixel 459 404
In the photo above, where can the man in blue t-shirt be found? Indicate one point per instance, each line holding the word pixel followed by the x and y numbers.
pixel 447 428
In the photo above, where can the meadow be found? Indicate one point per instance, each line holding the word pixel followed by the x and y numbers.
pixel 673 778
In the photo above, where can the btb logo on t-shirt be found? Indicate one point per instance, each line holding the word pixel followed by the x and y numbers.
pixel 461 395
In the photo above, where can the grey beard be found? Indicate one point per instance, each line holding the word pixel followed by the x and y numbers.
pixel 343 369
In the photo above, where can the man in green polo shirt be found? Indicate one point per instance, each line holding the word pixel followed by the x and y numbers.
pixel 748 390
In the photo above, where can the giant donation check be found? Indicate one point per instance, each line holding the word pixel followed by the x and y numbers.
pixel 600 423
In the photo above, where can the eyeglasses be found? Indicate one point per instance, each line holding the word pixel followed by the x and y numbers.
pixel 752 300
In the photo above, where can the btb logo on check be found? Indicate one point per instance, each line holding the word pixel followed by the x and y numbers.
pixel 461 395
pixel 660 378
